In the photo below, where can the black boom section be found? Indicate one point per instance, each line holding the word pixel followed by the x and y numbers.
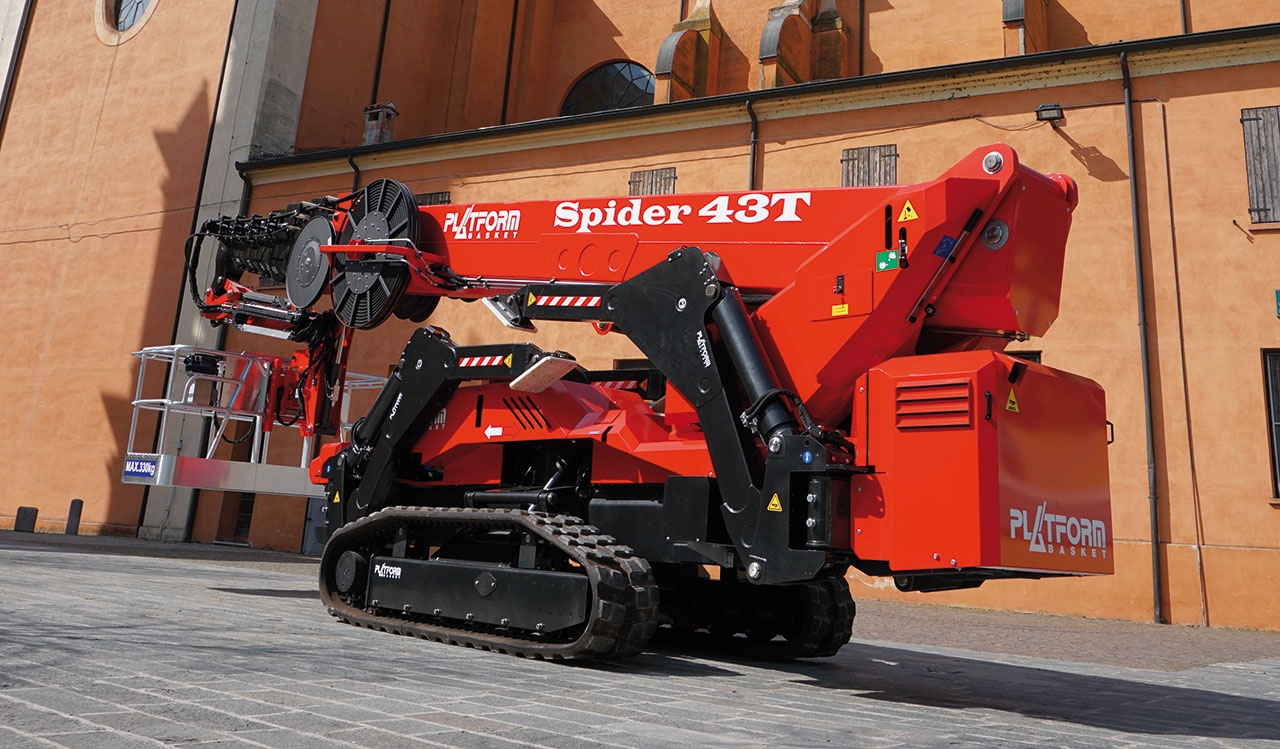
pixel 664 311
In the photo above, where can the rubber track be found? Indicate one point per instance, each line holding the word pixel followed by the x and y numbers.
pixel 827 628
pixel 624 608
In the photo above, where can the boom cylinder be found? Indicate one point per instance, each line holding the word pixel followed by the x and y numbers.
pixel 739 338
pixel 366 429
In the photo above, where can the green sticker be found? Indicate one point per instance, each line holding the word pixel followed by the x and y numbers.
pixel 887 260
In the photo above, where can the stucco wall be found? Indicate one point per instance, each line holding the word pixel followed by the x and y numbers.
pixel 102 152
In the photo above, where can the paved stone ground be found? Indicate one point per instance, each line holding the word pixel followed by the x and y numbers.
pixel 108 643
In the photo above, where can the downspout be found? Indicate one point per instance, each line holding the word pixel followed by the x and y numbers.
pixel 382 45
pixel 246 192
pixel 1153 499
pixel 511 52
pixel 19 45
pixel 355 172
pixel 1182 8
pixel 755 138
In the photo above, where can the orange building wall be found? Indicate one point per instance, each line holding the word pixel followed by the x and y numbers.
pixel 906 34
pixel 340 73
pixel 102 153
pixel 1225 14
pixel 1079 23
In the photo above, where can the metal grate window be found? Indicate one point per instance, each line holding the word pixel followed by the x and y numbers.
pixel 433 198
pixel 653 182
pixel 1262 162
pixel 1271 373
pixel 614 85
pixel 869 166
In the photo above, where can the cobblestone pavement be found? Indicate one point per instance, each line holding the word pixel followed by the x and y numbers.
pixel 120 643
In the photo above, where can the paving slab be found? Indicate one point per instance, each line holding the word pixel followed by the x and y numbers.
pixel 120 642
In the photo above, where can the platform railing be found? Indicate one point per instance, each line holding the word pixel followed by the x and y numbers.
pixel 222 389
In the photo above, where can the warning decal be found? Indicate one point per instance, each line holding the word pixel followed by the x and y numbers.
pixel 507 361
pixel 775 504
pixel 1012 403
pixel 839 310
pixel 908 213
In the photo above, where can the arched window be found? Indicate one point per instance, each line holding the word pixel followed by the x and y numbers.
pixel 614 85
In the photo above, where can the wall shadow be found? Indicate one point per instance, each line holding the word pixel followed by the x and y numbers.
pixel 1101 166
pixel 869 62
pixel 1064 30
pixel 181 149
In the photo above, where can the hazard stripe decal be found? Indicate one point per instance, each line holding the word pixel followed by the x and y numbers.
pixel 480 361
pixel 567 301
pixel 619 384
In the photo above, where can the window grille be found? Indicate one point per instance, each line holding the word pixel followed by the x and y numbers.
pixel 614 85
pixel 869 166
pixel 1262 162
pixel 1271 374
pixel 653 182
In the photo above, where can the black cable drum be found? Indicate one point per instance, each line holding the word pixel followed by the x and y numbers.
pixel 367 288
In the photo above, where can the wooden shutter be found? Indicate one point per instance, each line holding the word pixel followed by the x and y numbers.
pixel 653 182
pixel 869 166
pixel 433 198
pixel 1262 162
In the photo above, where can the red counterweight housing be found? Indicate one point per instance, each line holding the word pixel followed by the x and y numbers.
pixel 982 460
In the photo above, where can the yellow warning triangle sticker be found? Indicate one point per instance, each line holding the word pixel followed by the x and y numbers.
pixel 532 299
pixel 908 213
pixel 337 497
pixel 507 361
pixel 775 505
pixel 1012 403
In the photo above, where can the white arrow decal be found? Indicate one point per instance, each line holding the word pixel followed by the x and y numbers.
pixel 491 432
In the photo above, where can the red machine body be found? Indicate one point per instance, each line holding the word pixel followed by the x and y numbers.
pixel 835 389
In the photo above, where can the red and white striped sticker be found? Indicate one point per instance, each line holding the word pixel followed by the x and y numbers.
pixel 619 384
pixel 567 301
pixel 480 361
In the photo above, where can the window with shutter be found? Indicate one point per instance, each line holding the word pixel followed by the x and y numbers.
pixel 1262 162
pixel 1271 374
pixel 653 182
pixel 433 198
pixel 869 166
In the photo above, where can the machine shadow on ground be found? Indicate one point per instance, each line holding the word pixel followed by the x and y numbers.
pixel 932 680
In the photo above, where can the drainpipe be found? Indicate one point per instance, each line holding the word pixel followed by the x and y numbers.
pixel 19 44
pixel 1153 499
pixel 355 172
pixel 246 194
pixel 1182 8
pixel 751 154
